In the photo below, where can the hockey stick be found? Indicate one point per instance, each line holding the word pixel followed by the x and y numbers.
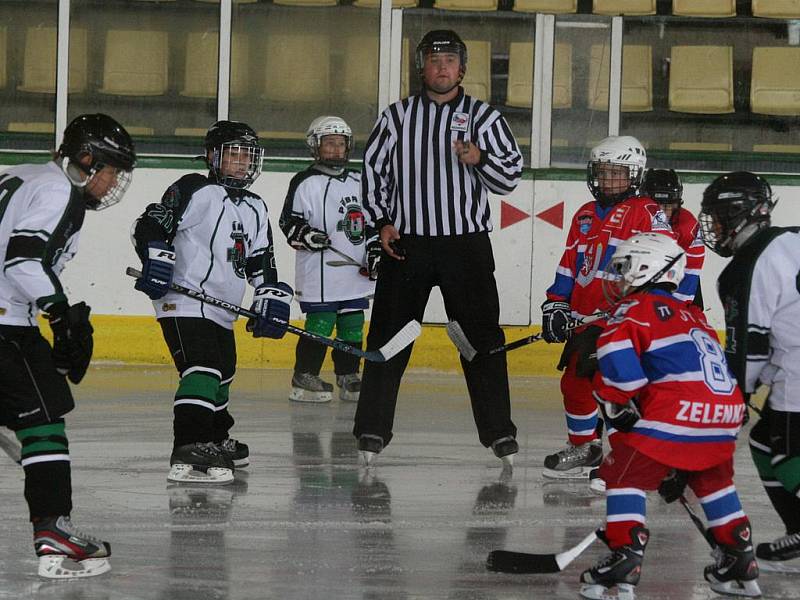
pixel 468 351
pixel 709 537
pixel 348 262
pixel 505 561
pixel 401 339
pixel 10 445
pixel 348 258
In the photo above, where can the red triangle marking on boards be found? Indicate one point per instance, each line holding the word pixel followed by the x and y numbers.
pixel 510 214
pixel 553 215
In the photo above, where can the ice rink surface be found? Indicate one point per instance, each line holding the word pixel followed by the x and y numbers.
pixel 304 521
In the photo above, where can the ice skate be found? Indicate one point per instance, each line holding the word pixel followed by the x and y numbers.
pixel 349 387
pixel 505 448
pixel 574 462
pixel 621 570
pixel 596 483
pixel 735 570
pixel 368 447
pixel 238 452
pixel 201 462
pixel 780 556
pixel 66 553
pixel 310 388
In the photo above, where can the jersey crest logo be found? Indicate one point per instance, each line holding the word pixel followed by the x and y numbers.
pixel 237 255
pixel 352 225
pixel 584 223
pixel 591 264
pixel 663 312
pixel 459 121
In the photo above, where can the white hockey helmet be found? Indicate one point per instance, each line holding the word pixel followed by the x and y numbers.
pixel 329 125
pixel 623 151
pixel 643 259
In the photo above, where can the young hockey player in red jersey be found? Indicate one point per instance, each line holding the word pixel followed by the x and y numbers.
pixel 614 174
pixel 665 388
pixel 665 187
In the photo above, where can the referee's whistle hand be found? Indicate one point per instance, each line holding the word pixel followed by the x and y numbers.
pixel 467 152
pixel 389 235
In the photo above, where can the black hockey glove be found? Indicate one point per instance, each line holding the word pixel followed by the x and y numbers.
pixel 271 303
pixel 374 252
pixel 672 486
pixel 555 321
pixel 157 270
pixel 72 339
pixel 302 236
pixel 620 417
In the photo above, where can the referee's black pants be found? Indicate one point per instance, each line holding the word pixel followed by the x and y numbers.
pixel 463 268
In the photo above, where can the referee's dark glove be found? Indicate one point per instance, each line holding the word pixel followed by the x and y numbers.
pixel 374 252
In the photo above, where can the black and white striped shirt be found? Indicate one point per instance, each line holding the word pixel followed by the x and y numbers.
pixel 413 179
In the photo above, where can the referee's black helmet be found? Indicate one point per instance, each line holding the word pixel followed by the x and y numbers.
pixel 440 40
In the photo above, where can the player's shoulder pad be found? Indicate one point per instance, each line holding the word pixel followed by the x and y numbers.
pixel 180 192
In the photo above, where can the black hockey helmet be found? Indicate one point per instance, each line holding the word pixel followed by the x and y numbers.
pixel 106 141
pixel 734 205
pixel 665 187
pixel 234 139
pixel 440 40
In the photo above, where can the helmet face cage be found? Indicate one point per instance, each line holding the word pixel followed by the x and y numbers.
pixel 621 151
pixel 235 164
pixel 114 193
pixel 440 41
pixel 325 126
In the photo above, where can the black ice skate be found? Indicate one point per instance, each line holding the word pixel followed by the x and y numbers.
pixel 310 388
pixel 238 452
pixel 349 387
pixel 735 571
pixel 780 556
pixel 66 553
pixel 201 462
pixel 368 447
pixel 505 448
pixel 621 569
pixel 574 462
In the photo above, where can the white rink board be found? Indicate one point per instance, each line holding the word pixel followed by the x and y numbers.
pixel 526 253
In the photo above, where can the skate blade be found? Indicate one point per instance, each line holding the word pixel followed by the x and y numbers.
pixel 241 463
pixel 59 566
pixel 508 461
pixel 301 395
pixel 779 566
pixel 576 474
pixel 595 591
pixel 187 474
pixel 748 589
pixel 366 457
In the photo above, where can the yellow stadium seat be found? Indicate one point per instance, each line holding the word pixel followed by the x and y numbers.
pixel 546 6
pixel 297 67
pixel 31 127
pixel 135 63
pixel 701 146
pixel 39 62
pixel 777 148
pixel 377 3
pixel 190 132
pixel 306 2
pixel 478 79
pixel 519 90
pixel 137 130
pixel 637 78
pixel 471 5
pixel 775 82
pixel 624 7
pixel 234 1
pixel 3 57
pixel 202 57
pixel 704 8
pixel 701 79
pixel 777 9
pixel 282 135
pixel 360 69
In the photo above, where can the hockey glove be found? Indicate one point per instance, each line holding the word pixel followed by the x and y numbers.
pixel 72 339
pixel 302 236
pixel 555 321
pixel 672 486
pixel 157 270
pixel 271 304
pixel 620 417
pixel 374 252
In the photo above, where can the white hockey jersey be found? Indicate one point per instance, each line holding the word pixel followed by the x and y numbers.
pixel 41 214
pixel 222 238
pixel 331 204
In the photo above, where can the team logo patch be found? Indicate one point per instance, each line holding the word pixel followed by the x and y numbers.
pixel 663 312
pixel 584 223
pixel 352 223
pixel 237 255
pixel 459 121
pixel 617 216
pixel 168 306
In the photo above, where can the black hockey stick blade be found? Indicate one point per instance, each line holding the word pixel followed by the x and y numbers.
pixel 347 257
pixel 506 561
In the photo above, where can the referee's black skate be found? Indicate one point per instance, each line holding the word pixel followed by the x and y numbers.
pixel 368 447
pixel 735 570
pixel 780 556
pixel 237 451
pixel 621 569
pixel 201 462
pixel 307 387
pixel 66 553
pixel 505 448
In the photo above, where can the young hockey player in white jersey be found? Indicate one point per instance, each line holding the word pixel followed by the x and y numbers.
pixel 323 212
pixel 210 234
pixel 42 209
pixel 759 290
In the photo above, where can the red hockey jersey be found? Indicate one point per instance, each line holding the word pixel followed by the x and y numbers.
pixel 687 233
pixel 593 237
pixel 662 352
